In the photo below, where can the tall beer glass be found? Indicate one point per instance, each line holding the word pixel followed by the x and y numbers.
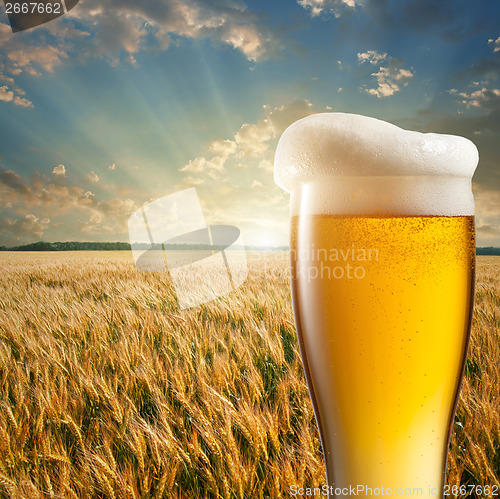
pixel 382 255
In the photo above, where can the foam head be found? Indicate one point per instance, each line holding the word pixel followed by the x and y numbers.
pixel 360 165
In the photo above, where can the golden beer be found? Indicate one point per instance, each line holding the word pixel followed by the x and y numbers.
pixel 382 254
pixel 383 308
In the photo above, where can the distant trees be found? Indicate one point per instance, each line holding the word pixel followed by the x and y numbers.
pixel 488 251
pixel 69 246
pixel 98 246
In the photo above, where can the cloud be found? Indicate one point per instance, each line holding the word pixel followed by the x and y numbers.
pixel 209 167
pixel 482 95
pixel 252 140
pixel 91 225
pixel 325 7
pixel 423 14
pixel 249 40
pixel 7 79
pixel 19 55
pixel 253 144
pixel 107 216
pixel 7 95
pixel 389 81
pixel 487 203
pixel 389 77
pixel 29 208
pixel 21 101
pixel 487 69
pixel 371 56
pixel 28 228
pixel 482 92
pixel 483 98
pixel 118 30
pixel 93 177
pixel 495 43
pixel 36 58
pixel 452 20
pixel 13 181
pixel 234 175
pixel 127 27
pixel 59 170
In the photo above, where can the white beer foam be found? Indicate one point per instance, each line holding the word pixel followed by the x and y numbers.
pixel 352 164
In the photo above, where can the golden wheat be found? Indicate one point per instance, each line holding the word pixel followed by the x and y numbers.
pixel 108 390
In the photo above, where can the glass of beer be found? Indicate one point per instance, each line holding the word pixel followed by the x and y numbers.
pixel 382 257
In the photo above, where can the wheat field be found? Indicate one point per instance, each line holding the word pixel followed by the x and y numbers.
pixel 108 390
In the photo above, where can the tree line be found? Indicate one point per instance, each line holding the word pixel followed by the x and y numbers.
pixel 120 246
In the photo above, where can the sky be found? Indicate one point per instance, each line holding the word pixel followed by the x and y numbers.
pixel 119 103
